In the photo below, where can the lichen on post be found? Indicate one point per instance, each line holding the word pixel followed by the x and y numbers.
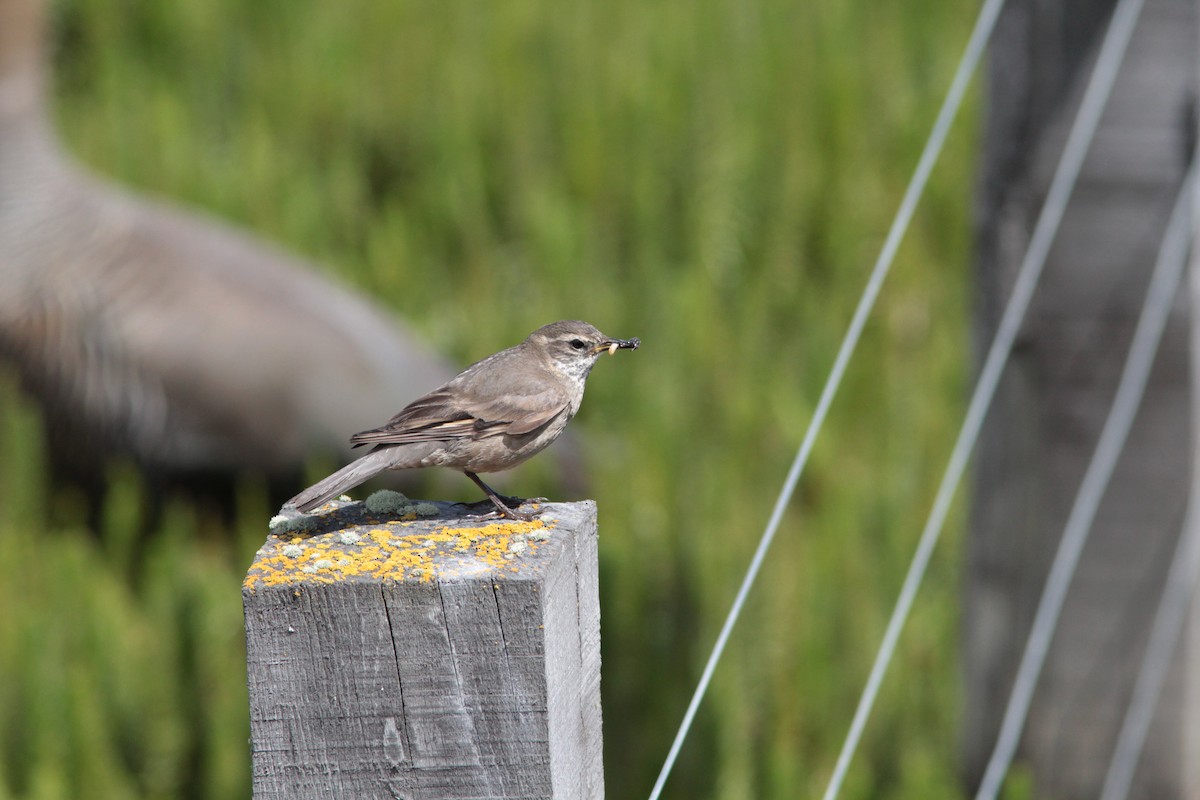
pixel 416 652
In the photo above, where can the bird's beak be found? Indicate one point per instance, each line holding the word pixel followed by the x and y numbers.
pixel 613 345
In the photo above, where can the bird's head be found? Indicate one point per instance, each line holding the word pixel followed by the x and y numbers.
pixel 574 346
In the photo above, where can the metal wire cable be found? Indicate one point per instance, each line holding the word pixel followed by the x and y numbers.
pixel 1181 579
pixel 1112 438
pixel 982 31
pixel 1155 310
pixel 1078 140
pixel 1164 636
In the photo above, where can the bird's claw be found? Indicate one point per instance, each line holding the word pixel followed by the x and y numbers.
pixel 508 510
pixel 522 516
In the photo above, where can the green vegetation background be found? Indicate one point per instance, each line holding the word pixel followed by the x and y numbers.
pixel 715 177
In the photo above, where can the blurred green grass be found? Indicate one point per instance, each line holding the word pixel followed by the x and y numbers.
pixel 713 177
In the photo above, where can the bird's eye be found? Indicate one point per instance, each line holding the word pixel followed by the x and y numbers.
pixel 578 344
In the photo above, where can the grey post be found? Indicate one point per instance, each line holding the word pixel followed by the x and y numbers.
pixel 435 657
pixel 1056 392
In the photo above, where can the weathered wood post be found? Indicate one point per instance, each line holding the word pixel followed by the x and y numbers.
pixel 420 654
pixel 1057 390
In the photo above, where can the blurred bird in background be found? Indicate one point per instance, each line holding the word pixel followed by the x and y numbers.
pixel 166 338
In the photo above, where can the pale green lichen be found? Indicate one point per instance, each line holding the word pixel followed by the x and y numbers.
pixel 281 524
pixel 385 501
pixel 425 510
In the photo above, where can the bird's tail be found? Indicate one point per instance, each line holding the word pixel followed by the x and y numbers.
pixel 346 478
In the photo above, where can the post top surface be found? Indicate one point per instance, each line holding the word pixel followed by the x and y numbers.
pixel 349 542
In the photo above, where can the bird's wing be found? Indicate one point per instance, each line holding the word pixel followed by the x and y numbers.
pixel 441 416
pixel 514 415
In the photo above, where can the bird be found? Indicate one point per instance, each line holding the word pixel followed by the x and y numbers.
pixel 162 337
pixel 494 415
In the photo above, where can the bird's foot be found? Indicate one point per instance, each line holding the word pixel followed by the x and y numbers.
pixel 510 505
pixel 504 505
pixel 521 516
pixel 508 508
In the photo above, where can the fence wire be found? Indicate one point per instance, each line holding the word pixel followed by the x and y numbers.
pixel 1181 579
pixel 1112 440
pixel 1079 139
pixel 980 35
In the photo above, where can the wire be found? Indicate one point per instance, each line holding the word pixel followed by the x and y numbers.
pixel 1082 131
pixel 1163 286
pixel 1181 580
pixel 1168 621
pixel 984 26
pixel 1099 470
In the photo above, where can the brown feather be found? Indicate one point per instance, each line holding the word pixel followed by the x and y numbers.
pixel 440 416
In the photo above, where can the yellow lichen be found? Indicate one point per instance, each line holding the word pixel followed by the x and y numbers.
pixel 385 551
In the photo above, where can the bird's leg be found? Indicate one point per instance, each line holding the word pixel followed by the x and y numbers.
pixel 504 510
pixel 508 500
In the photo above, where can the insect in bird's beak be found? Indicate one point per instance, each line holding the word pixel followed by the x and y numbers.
pixel 613 345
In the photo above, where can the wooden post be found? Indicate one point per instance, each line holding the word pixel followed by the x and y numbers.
pixel 440 657
pixel 1058 388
